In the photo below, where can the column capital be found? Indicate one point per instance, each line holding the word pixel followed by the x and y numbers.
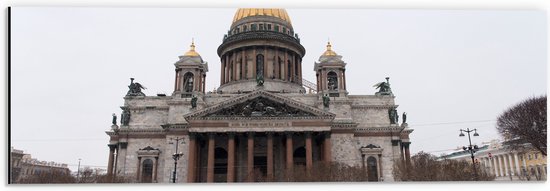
pixel 112 146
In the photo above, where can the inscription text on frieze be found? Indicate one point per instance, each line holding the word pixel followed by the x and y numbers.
pixel 260 124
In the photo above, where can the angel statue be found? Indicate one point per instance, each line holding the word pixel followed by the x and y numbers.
pixel 384 87
pixel 135 89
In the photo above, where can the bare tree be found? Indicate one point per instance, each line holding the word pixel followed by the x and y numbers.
pixel 333 172
pixel 525 123
pixel 427 167
pixel 52 177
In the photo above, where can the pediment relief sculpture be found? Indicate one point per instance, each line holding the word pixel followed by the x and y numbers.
pixel 260 107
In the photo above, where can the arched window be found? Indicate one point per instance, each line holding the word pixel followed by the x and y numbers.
pixel 372 169
pixel 273 68
pixel 281 68
pixel 147 173
pixel 332 79
pixel 188 82
pixel 260 65
pixel 289 67
pixel 231 76
pixel 245 69
pixel 240 66
pixel 295 70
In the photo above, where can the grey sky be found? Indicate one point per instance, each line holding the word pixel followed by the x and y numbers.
pixel 71 66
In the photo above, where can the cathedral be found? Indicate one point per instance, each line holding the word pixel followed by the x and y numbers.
pixel 262 121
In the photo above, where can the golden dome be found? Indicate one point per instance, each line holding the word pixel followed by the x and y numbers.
pixel 249 12
pixel 192 51
pixel 329 51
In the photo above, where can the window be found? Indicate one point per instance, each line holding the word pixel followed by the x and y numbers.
pixel 231 76
pixel 253 27
pixel 260 65
pixel 276 28
pixel 332 79
pixel 372 169
pixel 284 30
pixel 237 30
pixel 245 28
pixel 188 82
pixel 273 68
pixel 240 66
pixel 536 155
pixel 147 173
pixel 281 68
pixel 289 67
pixel 261 26
pixel 268 26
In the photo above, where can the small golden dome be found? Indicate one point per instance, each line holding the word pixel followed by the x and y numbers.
pixel 192 51
pixel 329 51
pixel 249 12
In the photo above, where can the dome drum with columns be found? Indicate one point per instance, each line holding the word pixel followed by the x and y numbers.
pixel 260 125
pixel 261 43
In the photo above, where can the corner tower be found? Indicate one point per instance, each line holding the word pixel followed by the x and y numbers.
pixel 261 45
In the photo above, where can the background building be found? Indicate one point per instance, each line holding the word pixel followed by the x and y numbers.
pixel 499 159
pixel 260 123
pixel 23 165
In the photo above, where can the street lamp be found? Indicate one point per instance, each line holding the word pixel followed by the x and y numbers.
pixel 78 171
pixel 176 156
pixel 470 148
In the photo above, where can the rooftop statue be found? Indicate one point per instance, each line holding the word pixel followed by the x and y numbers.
pixel 114 119
pixel 125 117
pixel 194 102
pixel 384 87
pixel 394 117
pixel 326 100
pixel 135 89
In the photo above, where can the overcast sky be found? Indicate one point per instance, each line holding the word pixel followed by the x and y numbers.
pixel 448 69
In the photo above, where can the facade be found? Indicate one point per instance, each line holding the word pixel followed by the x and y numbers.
pixel 15 164
pixel 260 123
pixel 498 159
pixel 23 165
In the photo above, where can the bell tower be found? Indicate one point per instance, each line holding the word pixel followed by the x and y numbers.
pixel 190 74
pixel 331 74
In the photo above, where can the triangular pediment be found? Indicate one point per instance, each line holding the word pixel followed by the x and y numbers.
pixel 260 104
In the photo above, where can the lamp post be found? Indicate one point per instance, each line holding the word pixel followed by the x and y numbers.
pixel 176 156
pixel 78 171
pixel 470 148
